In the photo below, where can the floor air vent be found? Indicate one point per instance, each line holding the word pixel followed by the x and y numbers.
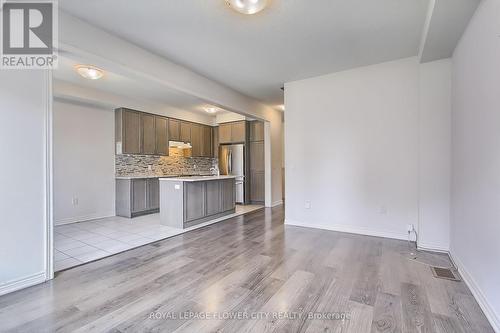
pixel 444 273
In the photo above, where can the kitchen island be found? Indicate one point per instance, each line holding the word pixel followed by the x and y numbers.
pixel 188 201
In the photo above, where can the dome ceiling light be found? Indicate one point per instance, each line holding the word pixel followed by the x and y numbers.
pixel 248 7
pixel 89 72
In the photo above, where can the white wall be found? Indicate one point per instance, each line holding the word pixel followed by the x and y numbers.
pixel 227 117
pixel 276 129
pixel 351 141
pixel 24 100
pixel 475 226
pixel 84 162
pixel 434 155
pixel 370 149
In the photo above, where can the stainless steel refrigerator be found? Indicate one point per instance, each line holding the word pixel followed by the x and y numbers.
pixel 232 162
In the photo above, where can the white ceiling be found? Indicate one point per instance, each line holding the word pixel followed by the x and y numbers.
pixel 121 85
pixel 447 24
pixel 256 55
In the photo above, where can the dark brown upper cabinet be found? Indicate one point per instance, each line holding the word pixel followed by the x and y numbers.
pixel 256 131
pixel 185 131
pixel 196 140
pixel 148 131
pixel 232 132
pixel 215 141
pixel 144 133
pixel 225 133
pixel 174 130
pixel 128 131
pixel 257 156
pixel 162 145
pixel 238 131
pixel 206 141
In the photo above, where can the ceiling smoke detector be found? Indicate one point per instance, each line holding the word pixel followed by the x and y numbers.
pixel 248 7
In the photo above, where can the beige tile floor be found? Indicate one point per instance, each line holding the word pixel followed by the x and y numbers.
pixel 78 243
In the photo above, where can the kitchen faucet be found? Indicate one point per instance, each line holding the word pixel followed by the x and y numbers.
pixel 215 171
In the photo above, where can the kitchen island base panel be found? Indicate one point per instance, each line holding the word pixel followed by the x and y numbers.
pixel 209 218
pixel 186 203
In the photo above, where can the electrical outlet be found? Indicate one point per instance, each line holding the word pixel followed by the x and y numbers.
pixel 410 227
pixel 383 210
pixel 75 201
pixel 307 204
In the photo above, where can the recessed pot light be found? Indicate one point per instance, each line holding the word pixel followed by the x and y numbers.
pixel 211 109
pixel 89 72
pixel 247 6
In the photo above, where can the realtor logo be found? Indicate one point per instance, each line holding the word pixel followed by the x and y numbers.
pixel 28 34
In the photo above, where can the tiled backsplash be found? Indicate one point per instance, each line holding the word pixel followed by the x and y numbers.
pixel 137 165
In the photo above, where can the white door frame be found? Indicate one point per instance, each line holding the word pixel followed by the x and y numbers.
pixel 267 165
pixel 49 189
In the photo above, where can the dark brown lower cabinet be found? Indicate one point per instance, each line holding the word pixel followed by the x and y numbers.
pixel 257 174
pixel 137 196
pixel 257 187
pixel 153 194
pixel 188 203
pixel 207 198
pixel 228 194
pixel 213 198
pixel 194 201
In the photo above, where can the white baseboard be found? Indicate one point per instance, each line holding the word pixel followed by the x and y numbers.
pixel 488 310
pixel 348 229
pixel 433 247
pixel 277 203
pixel 84 218
pixel 22 283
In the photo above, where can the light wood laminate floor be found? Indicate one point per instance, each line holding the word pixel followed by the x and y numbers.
pixel 82 242
pixel 275 278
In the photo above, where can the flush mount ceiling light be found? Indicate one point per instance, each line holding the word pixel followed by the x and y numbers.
pixel 89 72
pixel 211 109
pixel 247 6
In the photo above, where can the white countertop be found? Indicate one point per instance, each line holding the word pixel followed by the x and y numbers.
pixel 143 177
pixel 196 178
